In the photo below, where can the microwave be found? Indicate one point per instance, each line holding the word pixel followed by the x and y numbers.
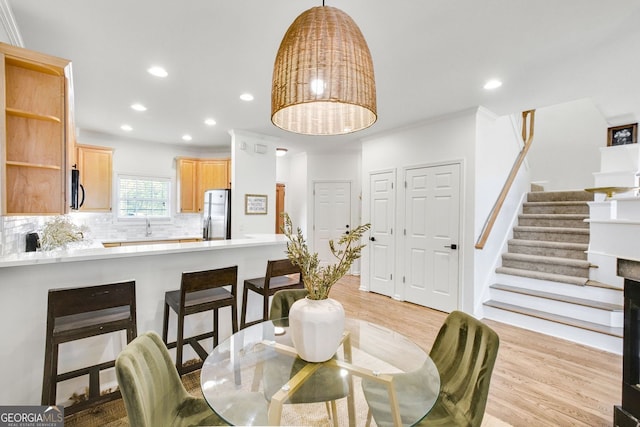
pixel 76 189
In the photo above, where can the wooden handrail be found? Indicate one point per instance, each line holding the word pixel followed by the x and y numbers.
pixel 527 137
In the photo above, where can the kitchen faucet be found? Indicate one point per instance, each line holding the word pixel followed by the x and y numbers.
pixel 148 228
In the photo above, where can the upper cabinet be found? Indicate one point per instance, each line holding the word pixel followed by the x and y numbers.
pixel 95 165
pixel 36 132
pixel 195 176
pixel 187 175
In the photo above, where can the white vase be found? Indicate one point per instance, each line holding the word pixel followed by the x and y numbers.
pixel 316 328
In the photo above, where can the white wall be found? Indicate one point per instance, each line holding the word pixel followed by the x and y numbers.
pixel 565 150
pixel 498 144
pixel 253 171
pixel 445 139
pixel 297 194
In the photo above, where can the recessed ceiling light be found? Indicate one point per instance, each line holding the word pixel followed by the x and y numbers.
pixel 246 97
pixel 186 137
pixel 492 84
pixel 126 128
pixel 209 122
pixel 138 107
pixel 157 71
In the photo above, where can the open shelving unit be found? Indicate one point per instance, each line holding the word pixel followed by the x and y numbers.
pixel 35 132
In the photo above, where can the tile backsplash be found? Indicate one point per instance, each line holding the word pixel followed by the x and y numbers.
pixel 100 227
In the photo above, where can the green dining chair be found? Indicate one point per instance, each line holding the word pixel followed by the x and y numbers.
pixel 282 302
pixel 464 352
pixel 154 395
pixel 322 386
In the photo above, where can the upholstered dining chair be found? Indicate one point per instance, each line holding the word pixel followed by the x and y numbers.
pixel 154 395
pixel 464 352
pixel 321 386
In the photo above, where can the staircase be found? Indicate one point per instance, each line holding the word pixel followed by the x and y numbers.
pixel 543 283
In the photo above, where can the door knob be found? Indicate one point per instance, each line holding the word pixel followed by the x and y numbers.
pixel 373 239
pixel 452 246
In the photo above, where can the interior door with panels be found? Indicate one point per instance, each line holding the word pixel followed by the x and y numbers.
pixel 381 245
pixel 332 216
pixel 432 228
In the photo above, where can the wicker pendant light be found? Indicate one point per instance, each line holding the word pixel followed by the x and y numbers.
pixel 323 81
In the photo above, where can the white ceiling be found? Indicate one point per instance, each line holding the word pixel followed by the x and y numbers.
pixel 431 57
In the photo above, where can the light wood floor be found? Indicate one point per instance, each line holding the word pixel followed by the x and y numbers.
pixel 538 380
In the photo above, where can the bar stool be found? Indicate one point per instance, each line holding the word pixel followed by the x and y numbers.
pixel 200 291
pixel 278 277
pixel 77 313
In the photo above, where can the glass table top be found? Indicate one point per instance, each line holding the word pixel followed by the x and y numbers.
pixel 255 378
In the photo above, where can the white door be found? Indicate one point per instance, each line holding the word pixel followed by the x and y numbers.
pixel 432 210
pixel 381 244
pixel 332 216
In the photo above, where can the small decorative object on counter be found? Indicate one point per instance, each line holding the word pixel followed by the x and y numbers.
pixel 59 232
pixel 316 322
pixel 32 242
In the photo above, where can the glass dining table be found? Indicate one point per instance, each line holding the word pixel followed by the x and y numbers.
pixel 255 378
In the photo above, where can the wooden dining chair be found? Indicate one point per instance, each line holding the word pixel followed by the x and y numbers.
pixel 281 274
pixel 464 352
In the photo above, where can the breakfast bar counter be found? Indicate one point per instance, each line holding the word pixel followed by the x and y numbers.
pixel 156 268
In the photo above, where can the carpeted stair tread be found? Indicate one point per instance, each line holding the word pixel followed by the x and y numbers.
pixel 547 259
pixel 594 327
pixel 581 208
pixel 573 195
pixel 557 203
pixel 554 216
pixel 559 297
pixel 552 277
pixel 553 220
pixel 550 244
pixel 558 230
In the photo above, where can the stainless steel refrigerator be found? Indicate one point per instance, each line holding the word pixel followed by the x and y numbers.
pixel 217 215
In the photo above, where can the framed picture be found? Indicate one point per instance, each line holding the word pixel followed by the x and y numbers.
pixel 255 204
pixel 622 135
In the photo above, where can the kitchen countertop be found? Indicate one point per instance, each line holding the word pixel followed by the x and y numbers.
pixel 95 253
pixel 152 239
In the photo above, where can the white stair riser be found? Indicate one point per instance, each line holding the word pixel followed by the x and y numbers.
pixel 612 296
pixel 588 314
pixel 589 338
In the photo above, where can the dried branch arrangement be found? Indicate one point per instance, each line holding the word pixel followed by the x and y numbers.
pixel 58 232
pixel 317 279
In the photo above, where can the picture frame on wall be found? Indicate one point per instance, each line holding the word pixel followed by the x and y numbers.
pixel 622 135
pixel 255 204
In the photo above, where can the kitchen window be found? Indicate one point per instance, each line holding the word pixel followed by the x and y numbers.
pixel 145 197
